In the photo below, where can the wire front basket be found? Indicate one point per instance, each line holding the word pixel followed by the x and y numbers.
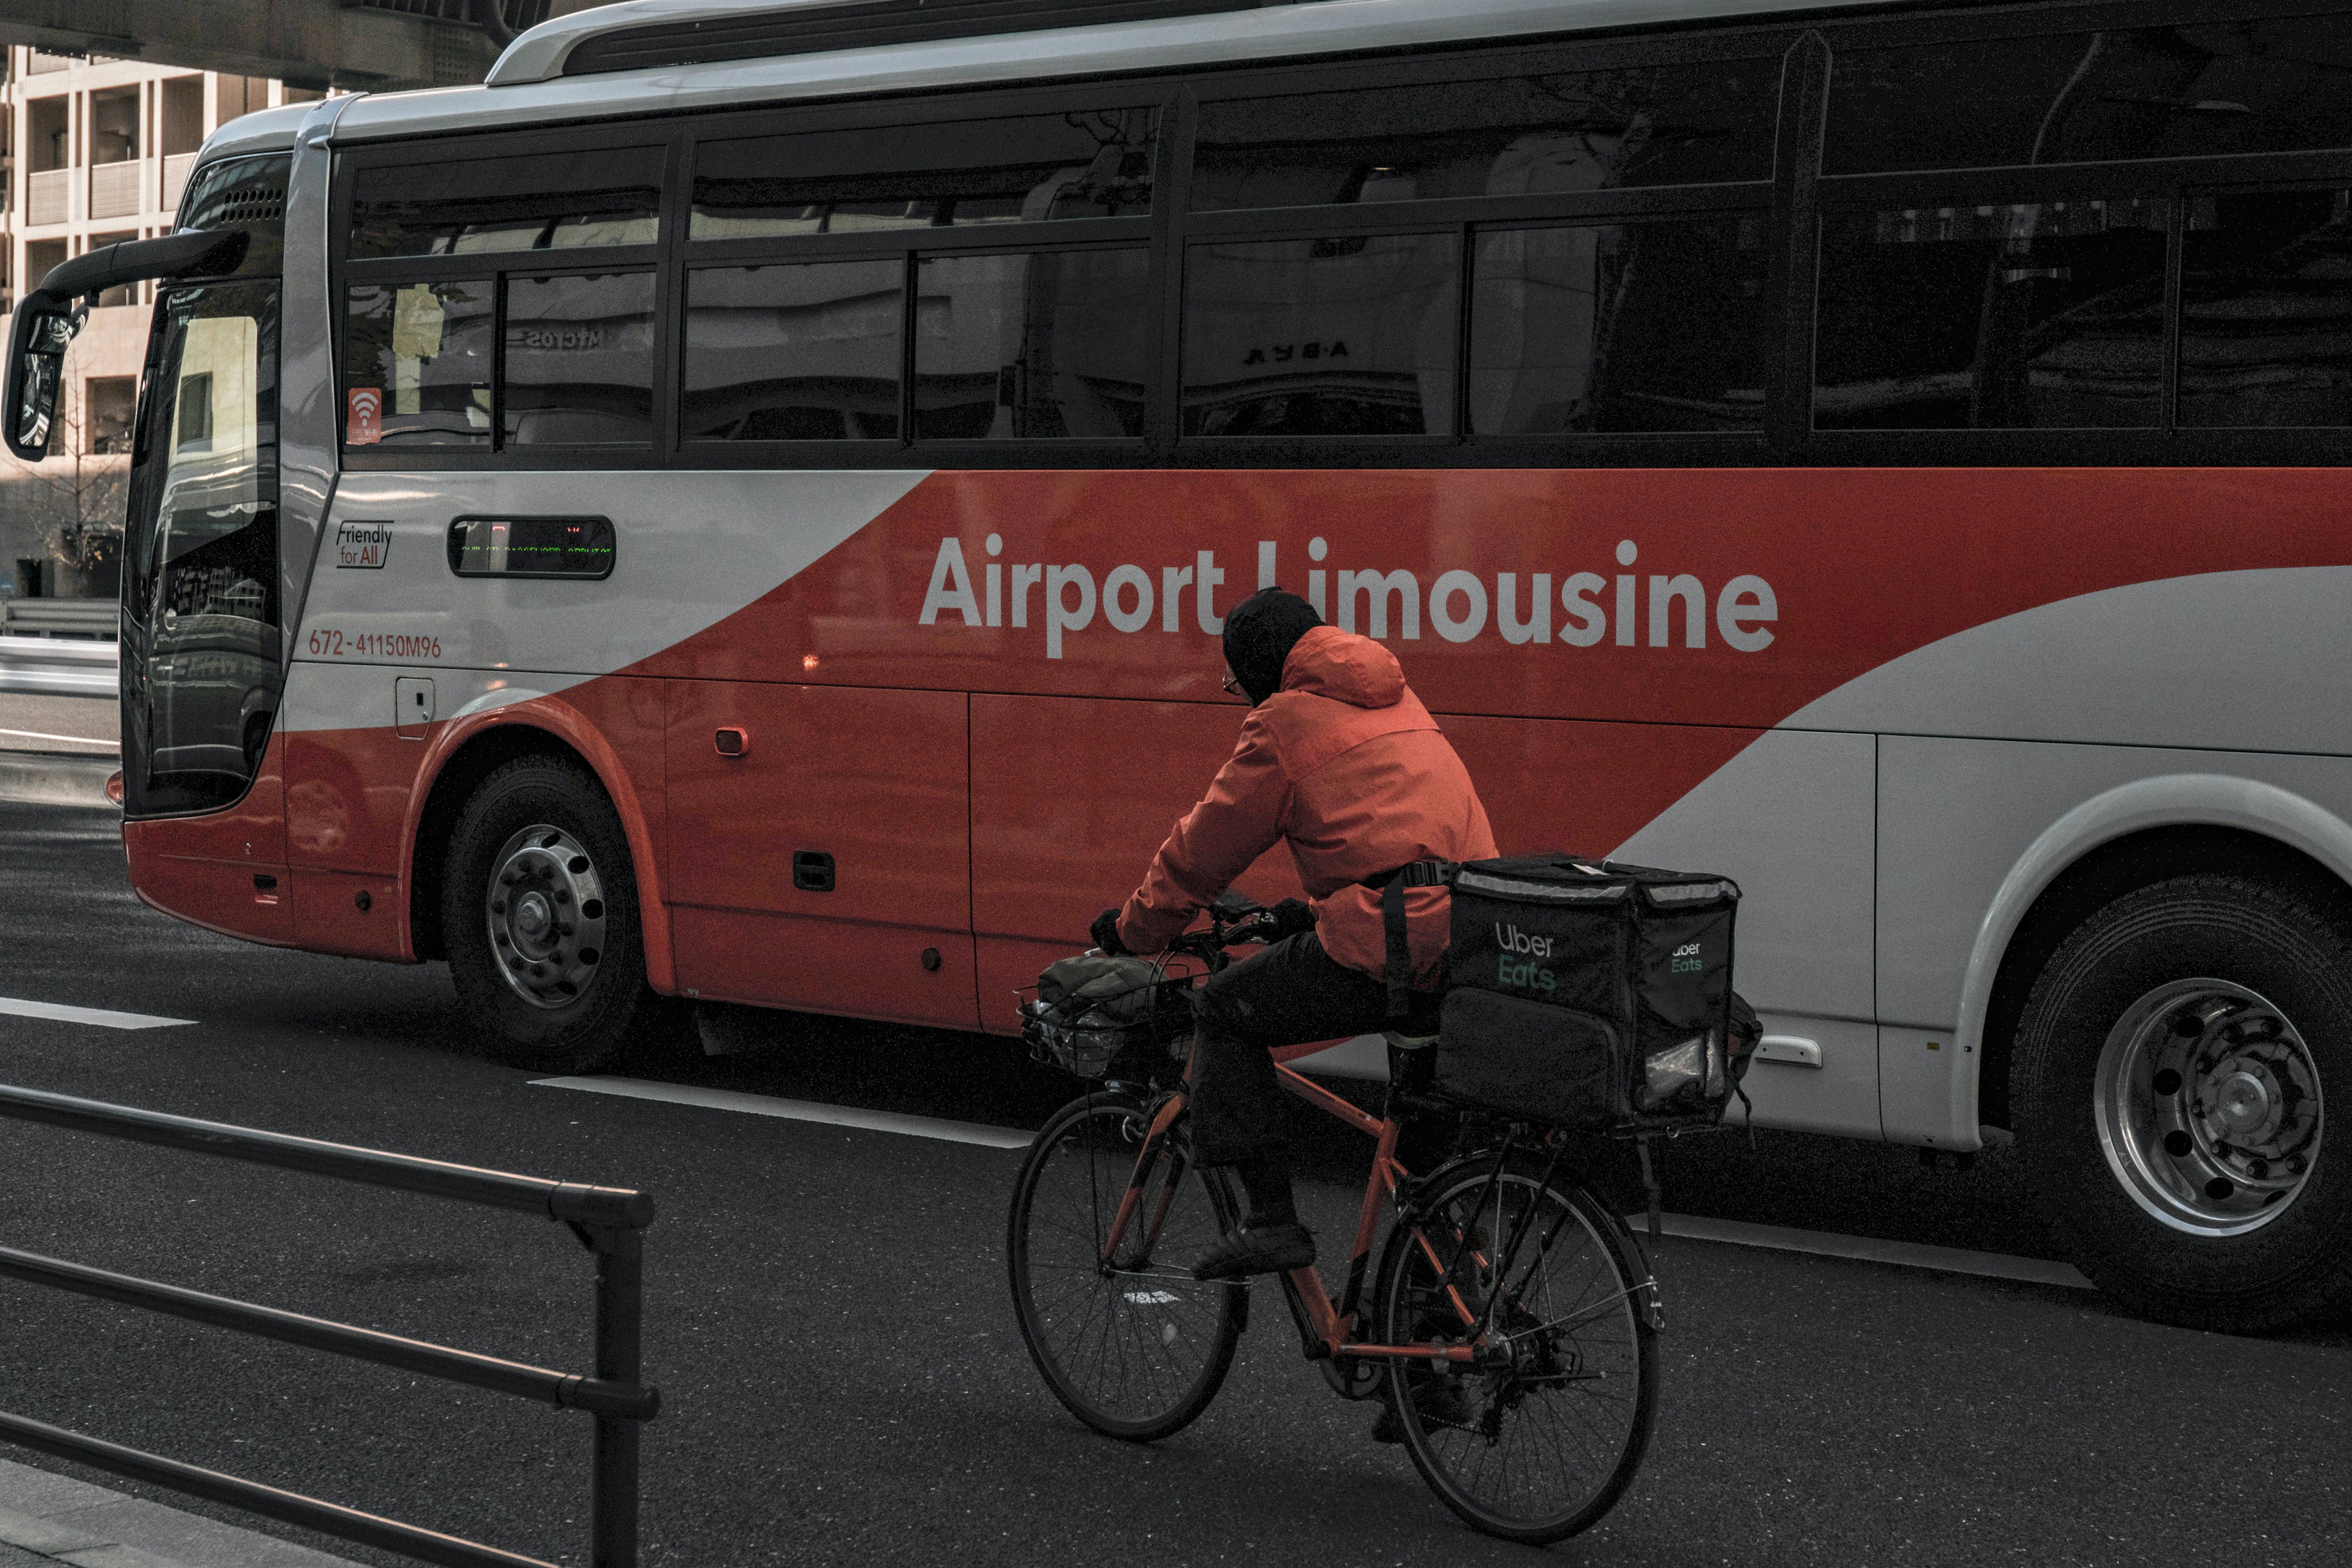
pixel 1148 1024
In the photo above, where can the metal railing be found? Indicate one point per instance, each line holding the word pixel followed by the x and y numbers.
pixel 176 167
pixel 77 617
pixel 48 196
pixel 610 1220
pixel 114 188
pixel 59 666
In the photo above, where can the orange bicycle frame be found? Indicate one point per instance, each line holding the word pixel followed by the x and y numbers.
pixel 1326 1325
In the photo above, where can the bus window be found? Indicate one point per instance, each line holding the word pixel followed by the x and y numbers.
pixel 794 351
pixel 1032 346
pixel 2273 85
pixel 1026 169
pixel 578 364
pixel 1653 326
pixel 2030 316
pixel 247 194
pixel 417 364
pixel 562 201
pixel 2266 310
pixel 1522 135
pixel 1349 336
pixel 200 635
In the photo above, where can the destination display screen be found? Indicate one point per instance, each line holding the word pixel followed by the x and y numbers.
pixel 531 547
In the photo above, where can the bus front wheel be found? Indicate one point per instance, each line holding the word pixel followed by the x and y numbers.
pixel 2184 1102
pixel 539 909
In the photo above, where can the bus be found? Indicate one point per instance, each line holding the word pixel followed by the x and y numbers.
pixel 738 509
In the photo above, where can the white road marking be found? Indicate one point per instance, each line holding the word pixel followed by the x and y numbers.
pixel 800 1111
pixel 1866 1249
pixel 103 1018
pixel 1692 1228
pixel 72 739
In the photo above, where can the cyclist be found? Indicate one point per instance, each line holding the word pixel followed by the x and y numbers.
pixel 1340 758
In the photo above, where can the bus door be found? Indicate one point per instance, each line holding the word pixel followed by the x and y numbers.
pixel 201 646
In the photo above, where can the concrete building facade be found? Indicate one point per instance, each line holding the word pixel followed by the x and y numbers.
pixel 96 150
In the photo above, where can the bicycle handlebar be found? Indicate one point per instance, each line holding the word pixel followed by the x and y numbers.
pixel 1229 922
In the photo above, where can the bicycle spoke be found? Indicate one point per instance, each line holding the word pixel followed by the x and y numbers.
pixel 1137 1346
pixel 1535 1445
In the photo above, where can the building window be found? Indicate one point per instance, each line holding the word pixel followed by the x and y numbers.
pixel 109 404
pixel 122 293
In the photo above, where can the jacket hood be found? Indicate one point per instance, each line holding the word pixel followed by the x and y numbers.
pixel 1329 662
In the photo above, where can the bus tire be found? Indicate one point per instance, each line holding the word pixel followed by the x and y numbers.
pixel 2177 1062
pixel 539 907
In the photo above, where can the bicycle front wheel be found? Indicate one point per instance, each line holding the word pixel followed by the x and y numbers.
pixel 1539 1439
pixel 1124 1335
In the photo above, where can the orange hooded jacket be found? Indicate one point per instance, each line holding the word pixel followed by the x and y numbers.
pixel 1345 763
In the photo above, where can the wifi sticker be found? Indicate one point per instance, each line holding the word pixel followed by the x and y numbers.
pixel 364 424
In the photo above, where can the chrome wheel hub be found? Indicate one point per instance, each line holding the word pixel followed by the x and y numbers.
pixel 545 906
pixel 2208 1107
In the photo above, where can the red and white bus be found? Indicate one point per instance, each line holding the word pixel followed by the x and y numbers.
pixel 740 506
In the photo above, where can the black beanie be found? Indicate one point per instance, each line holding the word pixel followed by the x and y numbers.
pixel 1259 635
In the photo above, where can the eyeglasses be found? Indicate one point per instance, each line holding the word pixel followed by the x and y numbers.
pixel 1231 684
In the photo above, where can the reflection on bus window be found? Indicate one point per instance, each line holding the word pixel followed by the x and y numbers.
pixel 1031 169
pixel 553 202
pixel 195 413
pixel 2266 310
pixel 417 364
pixel 2033 315
pixel 1031 345
pixel 794 353
pixel 201 646
pixel 1565 131
pixel 1352 336
pixel 579 365
pixel 2273 85
pixel 1656 326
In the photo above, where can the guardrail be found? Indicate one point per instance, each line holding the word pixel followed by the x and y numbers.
pixel 59 666
pixel 610 1221
pixel 73 617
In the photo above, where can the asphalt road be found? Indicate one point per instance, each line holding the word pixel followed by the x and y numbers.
pixel 79 726
pixel 843 1381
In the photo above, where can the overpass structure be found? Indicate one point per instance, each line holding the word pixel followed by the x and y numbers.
pixel 365 45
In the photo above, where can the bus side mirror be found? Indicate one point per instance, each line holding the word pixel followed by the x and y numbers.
pixel 35 366
pixel 49 316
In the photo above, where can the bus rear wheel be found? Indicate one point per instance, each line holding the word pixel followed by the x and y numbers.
pixel 2177 1062
pixel 539 909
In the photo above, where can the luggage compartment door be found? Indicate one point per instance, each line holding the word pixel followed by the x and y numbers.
pixel 820 848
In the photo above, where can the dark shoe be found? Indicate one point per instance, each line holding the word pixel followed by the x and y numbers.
pixel 1263 1249
pixel 1437 1401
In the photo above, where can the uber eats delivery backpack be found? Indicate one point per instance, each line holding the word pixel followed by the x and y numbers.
pixel 1589 995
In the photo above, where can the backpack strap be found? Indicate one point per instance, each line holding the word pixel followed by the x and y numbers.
pixel 1397 971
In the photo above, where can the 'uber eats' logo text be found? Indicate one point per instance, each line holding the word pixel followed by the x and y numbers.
pixel 1686 959
pixel 1523 971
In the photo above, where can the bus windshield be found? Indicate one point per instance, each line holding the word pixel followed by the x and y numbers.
pixel 201 686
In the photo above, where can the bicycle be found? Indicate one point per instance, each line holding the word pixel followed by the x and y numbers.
pixel 1524 1385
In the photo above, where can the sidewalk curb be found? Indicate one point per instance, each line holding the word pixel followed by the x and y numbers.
pixel 60 1519
pixel 46 778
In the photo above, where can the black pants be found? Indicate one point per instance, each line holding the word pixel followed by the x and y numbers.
pixel 1288 995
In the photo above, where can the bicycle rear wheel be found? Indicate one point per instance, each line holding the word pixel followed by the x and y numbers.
pixel 1130 1342
pixel 1539 1443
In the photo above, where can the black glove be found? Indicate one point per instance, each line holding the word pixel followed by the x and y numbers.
pixel 1292 917
pixel 1105 931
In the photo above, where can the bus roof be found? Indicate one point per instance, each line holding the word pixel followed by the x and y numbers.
pixel 263 131
pixel 528 85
